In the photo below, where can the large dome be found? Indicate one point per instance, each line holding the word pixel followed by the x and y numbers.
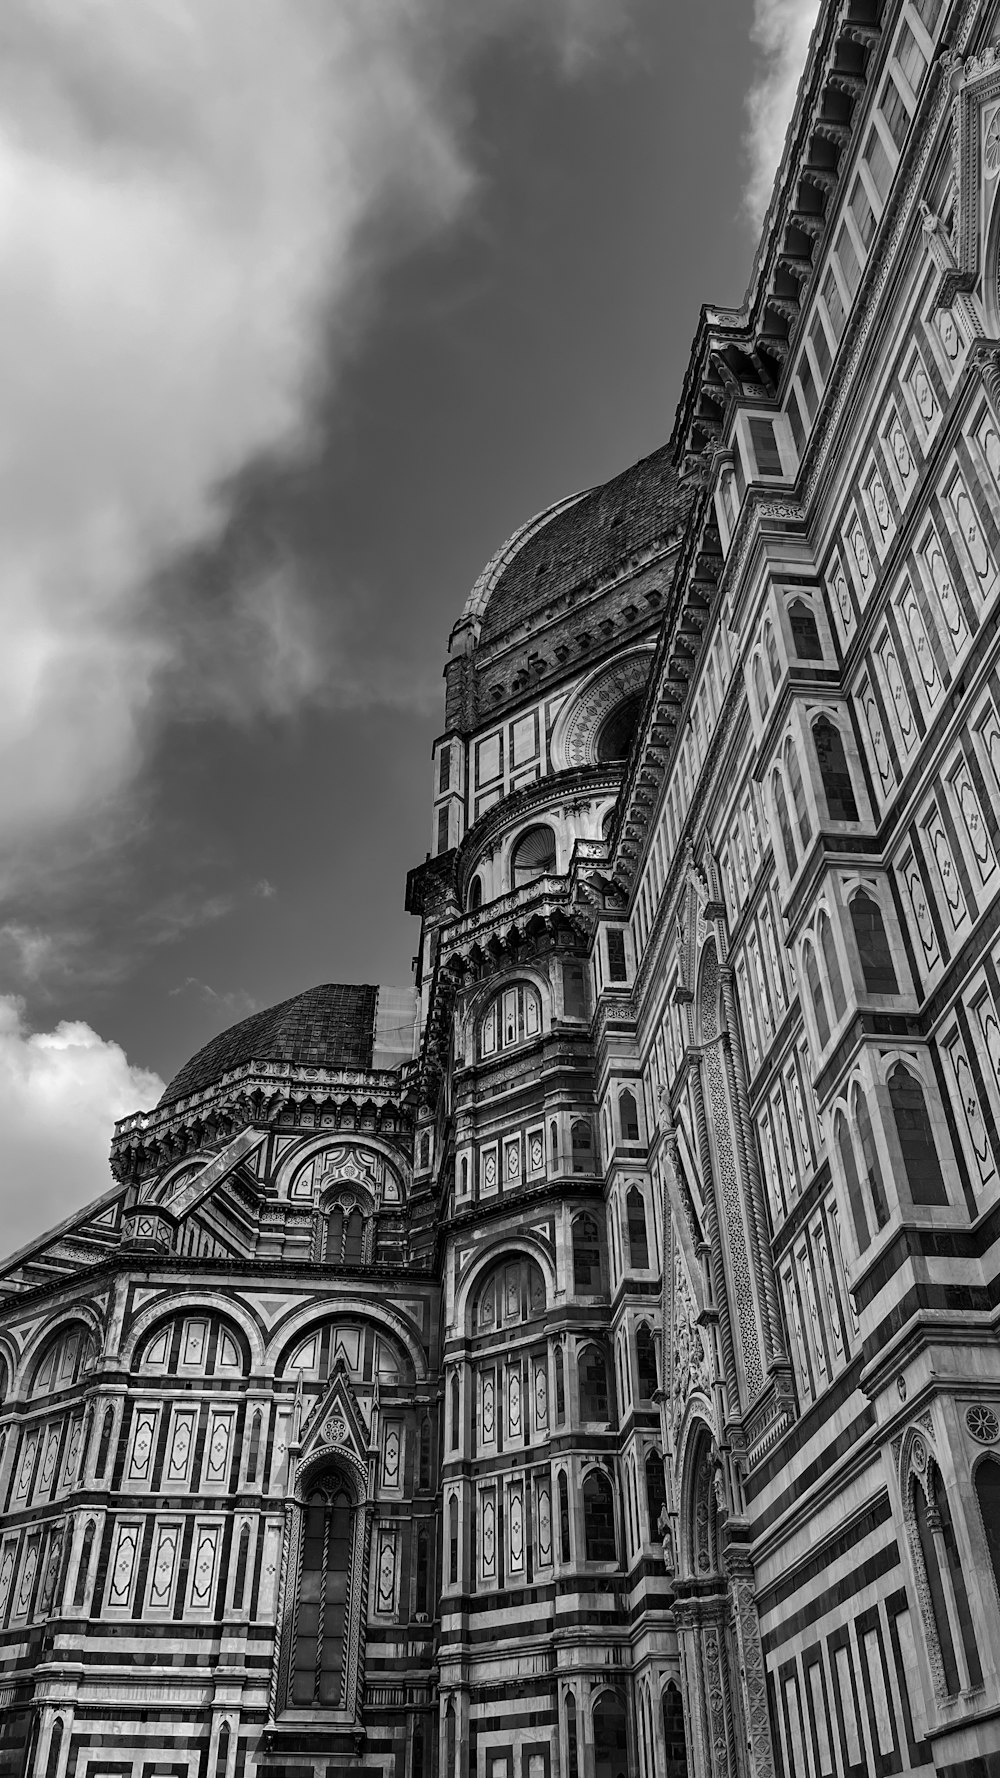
pixel 336 1025
pixel 576 540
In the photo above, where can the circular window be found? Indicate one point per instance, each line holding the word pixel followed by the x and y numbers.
pixel 615 738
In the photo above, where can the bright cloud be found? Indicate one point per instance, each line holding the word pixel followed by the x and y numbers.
pixel 193 194
pixel 781 31
pixel 60 1093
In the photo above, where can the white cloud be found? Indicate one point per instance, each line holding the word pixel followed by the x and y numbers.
pixel 193 194
pixel 781 31
pixel 60 1093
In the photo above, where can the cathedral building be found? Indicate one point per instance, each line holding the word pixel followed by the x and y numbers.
pixel 584 1362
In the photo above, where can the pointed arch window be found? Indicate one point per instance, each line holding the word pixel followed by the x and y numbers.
pixel 943 1570
pixel 628 1115
pixel 475 898
pixel 784 821
pixel 638 1244
pixel 916 1138
pixel 83 1571
pixel 564 1534
pixel 572 1743
pixel 794 774
pixel 872 940
pixel 582 1140
pixel 831 964
pixel 772 654
pixel 988 1496
pixel 834 771
pixel 645 1357
pixel 760 686
pixel 872 1166
pixel 656 1492
pixel 845 1148
pixel 560 1387
pixel 586 1254
pixel 816 994
pixel 324 1585
pixel 593 1378
pixel 599 1518
pixel 805 631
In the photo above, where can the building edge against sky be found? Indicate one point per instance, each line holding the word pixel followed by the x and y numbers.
pixel 585 1362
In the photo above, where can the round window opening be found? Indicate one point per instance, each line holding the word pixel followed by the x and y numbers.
pixel 615 738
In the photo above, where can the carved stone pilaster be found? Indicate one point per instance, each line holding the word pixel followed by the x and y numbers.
pixel 753 1677
pixel 716 1262
pixel 747 1152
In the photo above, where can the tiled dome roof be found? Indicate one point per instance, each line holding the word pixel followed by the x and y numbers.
pixel 583 538
pixel 332 1026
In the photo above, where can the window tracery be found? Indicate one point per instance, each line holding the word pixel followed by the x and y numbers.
pixel 512 1292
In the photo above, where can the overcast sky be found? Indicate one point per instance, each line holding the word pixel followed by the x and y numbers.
pixel 306 305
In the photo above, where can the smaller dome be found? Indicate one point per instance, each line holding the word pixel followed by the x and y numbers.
pixel 337 1025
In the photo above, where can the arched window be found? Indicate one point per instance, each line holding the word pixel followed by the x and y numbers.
pixel 253 1455
pixel 450 1740
pixel 916 1138
pixel 816 995
pixel 599 1518
pixel 628 1115
pixel 760 686
pixel 513 1017
pixel 453 1541
pixel 560 1387
pixel 475 897
pixel 572 1743
pixel 805 632
pixel 104 1447
pixel 638 1245
pixel 772 654
pixel 872 941
pixel 55 1749
pixel 615 738
pixel 242 1559
pixel 675 1740
pixel 321 1615
pixel 645 1356
pixel 565 1547
pixel 656 1491
pixel 345 1235
pixel 831 964
pixel 833 770
pixel 61 1363
pixel 794 775
pixel 423 1572
pixel 593 1375
pixel 514 1291
pixel 988 1496
pixel 222 1752
pixel 83 1571
pixel 456 1411
pixel 586 1255
pixel 784 821
pixel 845 1148
pixel 873 1170
pixel 610 1737
pixel 582 1139
pixel 533 856
pixel 943 1565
